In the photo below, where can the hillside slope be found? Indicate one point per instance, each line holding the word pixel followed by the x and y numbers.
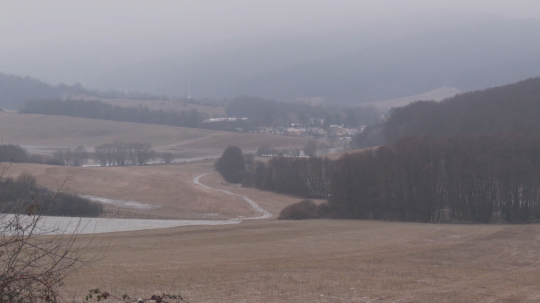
pixel 46 132
pixel 434 95
pixel 513 108
pixel 15 90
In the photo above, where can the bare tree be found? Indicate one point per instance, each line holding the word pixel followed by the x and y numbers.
pixel 324 149
pixel 101 154
pixel 80 156
pixel 310 149
pixel 167 157
pixel 32 267
pixel 120 152
pixel 60 156
pixel 332 137
pixel 143 152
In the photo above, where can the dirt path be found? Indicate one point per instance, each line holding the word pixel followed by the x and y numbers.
pixel 264 213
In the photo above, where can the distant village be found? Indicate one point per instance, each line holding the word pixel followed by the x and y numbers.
pixel 297 130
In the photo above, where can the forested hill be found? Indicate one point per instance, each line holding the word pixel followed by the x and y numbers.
pixel 15 90
pixel 513 108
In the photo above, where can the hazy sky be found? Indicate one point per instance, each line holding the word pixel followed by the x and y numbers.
pixel 44 38
pixel 29 23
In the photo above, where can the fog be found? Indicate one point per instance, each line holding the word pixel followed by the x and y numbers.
pixel 155 45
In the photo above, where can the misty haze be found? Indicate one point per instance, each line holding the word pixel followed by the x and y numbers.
pixel 270 151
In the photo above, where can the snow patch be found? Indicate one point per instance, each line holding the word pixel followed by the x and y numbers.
pixel 121 203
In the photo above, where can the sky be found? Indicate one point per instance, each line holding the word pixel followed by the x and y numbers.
pixel 29 23
pixel 120 31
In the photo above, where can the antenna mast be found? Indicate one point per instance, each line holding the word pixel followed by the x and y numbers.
pixel 189 87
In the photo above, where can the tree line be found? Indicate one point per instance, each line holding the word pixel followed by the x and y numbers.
pixel 15 90
pixel 94 109
pixel 478 178
pixel 108 154
pixel 260 112
pixel 17 154
pixel 513 108
pixel 465 178
pixel 263 112
pixel 305 177
pixel 121 153
pixel 71 157
pixel 24 188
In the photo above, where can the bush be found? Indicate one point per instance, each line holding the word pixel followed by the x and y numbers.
pixel 303 210
pixel 24 188
pixel 167 157
pixel 231 165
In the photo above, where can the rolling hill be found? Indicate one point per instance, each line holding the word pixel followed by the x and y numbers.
pixel 508 109
pixel 45 132
pixel 15 90
pixel 434 95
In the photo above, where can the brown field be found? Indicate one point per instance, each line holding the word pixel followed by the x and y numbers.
pixel 284 261
pixel 217 110
pixel 169 188
pixel 322 261
pixel 42 133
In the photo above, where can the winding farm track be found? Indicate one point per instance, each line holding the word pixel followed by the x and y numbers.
pixel 67 225
pixel 263 213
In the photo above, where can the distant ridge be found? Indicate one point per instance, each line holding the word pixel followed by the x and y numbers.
pixel 434 95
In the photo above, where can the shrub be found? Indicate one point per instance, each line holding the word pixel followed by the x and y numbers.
pixel 303 210
pixel 23 191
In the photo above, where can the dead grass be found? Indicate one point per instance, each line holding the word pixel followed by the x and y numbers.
pixel 169 188
pixel 324 261
pixel 284 261
pixel 43 132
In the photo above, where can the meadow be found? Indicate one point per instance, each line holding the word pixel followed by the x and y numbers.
pixel 44 134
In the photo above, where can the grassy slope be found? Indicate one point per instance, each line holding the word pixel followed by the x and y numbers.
pixel 60 131
pixel 169 188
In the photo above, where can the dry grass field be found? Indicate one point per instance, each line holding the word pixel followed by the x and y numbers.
pixel 285 261
pixel 322 261
pixel 167 190
pixel 42 133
